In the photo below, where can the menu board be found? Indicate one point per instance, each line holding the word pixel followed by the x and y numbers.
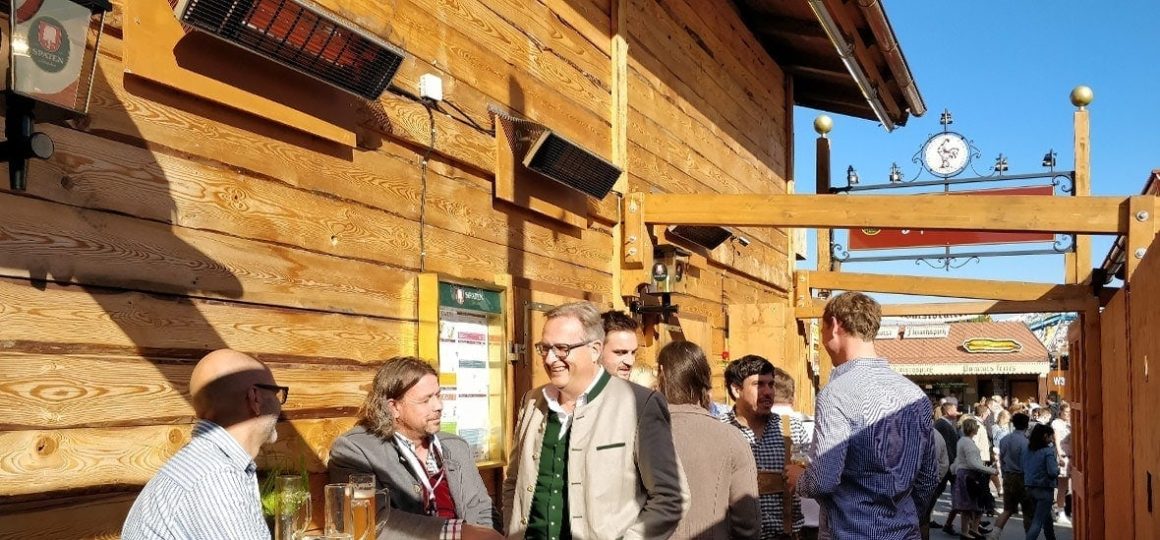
pixel 470 371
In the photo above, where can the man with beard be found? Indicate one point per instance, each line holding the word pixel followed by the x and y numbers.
pixel 434 487
pixel 592 454
pixel 620 344
pixel 209 489
pixel 749 381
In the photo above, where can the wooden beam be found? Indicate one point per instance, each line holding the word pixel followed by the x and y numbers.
pixel 823 188
pixel 814 309
pixel 624 253
pixel 1141 232
pixel 1083 188
pixel 982 289
pixel 1009 213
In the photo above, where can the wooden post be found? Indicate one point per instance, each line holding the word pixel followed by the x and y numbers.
pixel 626 250
pixel 1141 231
pixel 1083 188
pixel 823 176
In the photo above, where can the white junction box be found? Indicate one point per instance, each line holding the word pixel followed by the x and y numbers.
pixel 431 87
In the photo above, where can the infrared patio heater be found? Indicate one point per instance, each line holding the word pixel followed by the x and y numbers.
pixel 49 52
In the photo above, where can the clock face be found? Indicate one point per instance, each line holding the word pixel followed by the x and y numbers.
pixel 946 154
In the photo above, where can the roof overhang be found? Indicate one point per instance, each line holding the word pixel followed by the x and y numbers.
pixel 843 56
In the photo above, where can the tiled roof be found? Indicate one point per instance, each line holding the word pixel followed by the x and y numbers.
pixel 949 350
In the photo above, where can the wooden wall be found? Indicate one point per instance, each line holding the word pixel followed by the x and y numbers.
pixel 167 226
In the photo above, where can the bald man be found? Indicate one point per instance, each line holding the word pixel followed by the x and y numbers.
pixel 209 489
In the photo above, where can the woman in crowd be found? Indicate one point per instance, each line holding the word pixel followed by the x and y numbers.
pixel 1000 429
pixel 971 477
pixel 722 474
pixel 1040 472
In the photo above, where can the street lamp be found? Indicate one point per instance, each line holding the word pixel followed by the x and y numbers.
pixel 1001 164
pixel 49 63
pixel 1049 159
pixel 851 175
pixel 895 174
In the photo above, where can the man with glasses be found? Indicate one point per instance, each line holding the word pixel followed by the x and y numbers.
pixel 434 487
pixel 593 454
pixel 620 343
pixel 209 489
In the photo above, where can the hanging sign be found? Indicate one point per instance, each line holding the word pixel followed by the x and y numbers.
pixel 992 346
pixel 867 239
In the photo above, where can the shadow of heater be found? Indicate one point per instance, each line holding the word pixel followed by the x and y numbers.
pixel 559 159
pixel 300 36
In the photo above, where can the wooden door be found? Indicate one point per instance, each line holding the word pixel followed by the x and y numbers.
pixel 1144 350
pixel 1115 363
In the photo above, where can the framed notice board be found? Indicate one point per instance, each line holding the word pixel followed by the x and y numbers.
pixel 462 332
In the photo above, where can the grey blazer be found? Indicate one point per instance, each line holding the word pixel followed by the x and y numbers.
pixel 358 451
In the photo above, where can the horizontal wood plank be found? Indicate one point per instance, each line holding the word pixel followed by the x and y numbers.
pixel 816 307
pixel 95 248
pixel 54 319
pixel 1067 295
pixel 46 461
pixel 1008 213
pixel 96 517
pixel 40 391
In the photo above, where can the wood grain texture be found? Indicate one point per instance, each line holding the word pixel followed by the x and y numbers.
pixel 949 287
pixel 1118 428
pixel 1008 213
pixel 815 308
pixel 1144 350
pixel 94 248
pixel 41 462
pixel 41 391
pixel 98 173
pixel 57 319
pixel 96 517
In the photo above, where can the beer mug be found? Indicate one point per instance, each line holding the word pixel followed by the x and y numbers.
pixel 363 505
pixel 338 522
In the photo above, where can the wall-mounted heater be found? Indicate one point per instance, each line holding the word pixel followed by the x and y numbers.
pixel 706 237
pixel 301 36
pixel 563 161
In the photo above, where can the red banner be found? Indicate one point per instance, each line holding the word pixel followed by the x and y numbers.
pixel 864 239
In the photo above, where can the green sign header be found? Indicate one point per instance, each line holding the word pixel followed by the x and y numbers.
pixel 463 297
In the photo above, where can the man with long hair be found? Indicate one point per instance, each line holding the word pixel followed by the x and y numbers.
pixel 592 454
pixel 434 487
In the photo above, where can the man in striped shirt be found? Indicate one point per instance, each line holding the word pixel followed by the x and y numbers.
pixel 874 464
pixel 209 489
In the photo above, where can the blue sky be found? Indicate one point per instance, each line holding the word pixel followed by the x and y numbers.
pixel 1005 69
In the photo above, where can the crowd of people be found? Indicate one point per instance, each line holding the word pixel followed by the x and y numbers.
pixel 1020 448
pixel 608 450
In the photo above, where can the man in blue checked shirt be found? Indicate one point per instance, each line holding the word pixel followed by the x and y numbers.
pixel 874 463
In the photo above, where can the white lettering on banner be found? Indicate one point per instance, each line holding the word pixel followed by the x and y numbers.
pixel 887 332
pixel 1059 381
pixel 972 369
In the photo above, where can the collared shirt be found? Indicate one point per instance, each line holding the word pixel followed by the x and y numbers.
pixel 565 417
pixel 208 490
pixel 453 528
pixel 874 464
pixel 1011 451
pixel 769 453
pixel 802 438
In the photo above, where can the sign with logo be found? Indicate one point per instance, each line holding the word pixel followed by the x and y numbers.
pixel 48 49
pixel 470 298
pixel 927 332
pixel 867 239
pixel 991 346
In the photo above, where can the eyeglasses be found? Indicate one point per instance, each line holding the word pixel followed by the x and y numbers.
pixel 562 350
pixel 282 392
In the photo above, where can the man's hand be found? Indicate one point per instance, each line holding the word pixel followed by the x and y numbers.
pixel 793 472
pixel 475 532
